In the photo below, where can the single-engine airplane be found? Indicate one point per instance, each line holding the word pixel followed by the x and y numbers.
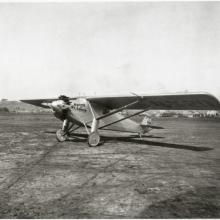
pixel 96 113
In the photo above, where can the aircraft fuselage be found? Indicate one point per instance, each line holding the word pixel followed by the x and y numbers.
pixel 81 112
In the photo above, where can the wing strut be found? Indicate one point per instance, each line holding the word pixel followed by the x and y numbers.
pixel 117 110
pixel 94 137
pixel 113 112
pixel 137 113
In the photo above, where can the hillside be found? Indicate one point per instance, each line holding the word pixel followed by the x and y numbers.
pixel 17 106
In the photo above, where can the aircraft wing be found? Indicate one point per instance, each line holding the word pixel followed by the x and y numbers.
pixel 189 101
pixel 44 103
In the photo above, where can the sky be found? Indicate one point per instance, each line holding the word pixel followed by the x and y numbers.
pixel 108 48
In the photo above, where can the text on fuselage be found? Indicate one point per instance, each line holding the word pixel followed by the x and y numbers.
pixel 79 107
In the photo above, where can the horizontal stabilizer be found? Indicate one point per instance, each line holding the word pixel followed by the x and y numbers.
pixel 155 127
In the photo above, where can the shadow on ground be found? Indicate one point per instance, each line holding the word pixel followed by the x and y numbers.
pixel 200 203
pixel 76 137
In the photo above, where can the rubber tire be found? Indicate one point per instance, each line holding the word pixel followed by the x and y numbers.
pixel 94 139
pixel 61 137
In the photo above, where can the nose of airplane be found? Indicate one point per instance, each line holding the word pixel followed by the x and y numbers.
pixel 58 105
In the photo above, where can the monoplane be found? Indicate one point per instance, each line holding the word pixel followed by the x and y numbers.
pixel 104 112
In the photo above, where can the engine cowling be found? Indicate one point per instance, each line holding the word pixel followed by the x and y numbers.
pixel 60 109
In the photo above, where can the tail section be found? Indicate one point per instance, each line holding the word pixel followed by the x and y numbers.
pixel 146 125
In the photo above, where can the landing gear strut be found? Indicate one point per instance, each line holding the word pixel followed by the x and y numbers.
pixel 94 137
pixel 67 129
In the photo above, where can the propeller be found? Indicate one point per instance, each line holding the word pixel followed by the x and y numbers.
pixel 64 98
pixel 61 107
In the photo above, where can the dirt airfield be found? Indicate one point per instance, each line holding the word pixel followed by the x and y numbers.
pixel 170 173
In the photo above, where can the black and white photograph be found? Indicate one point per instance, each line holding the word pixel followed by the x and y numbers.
pixel 109 110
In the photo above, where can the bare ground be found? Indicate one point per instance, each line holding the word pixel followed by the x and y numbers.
pixel 170 173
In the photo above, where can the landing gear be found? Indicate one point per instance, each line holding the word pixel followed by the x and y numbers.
pixel 67 129
pixel 94 139
pixel 61 135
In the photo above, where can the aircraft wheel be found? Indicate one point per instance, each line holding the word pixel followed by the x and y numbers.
pixel 61 136
pixel 93 139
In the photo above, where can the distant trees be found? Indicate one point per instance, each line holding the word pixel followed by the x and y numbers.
pixel 4 109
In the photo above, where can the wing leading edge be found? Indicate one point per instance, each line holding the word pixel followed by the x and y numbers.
pixel 44 103
pixel 192 101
